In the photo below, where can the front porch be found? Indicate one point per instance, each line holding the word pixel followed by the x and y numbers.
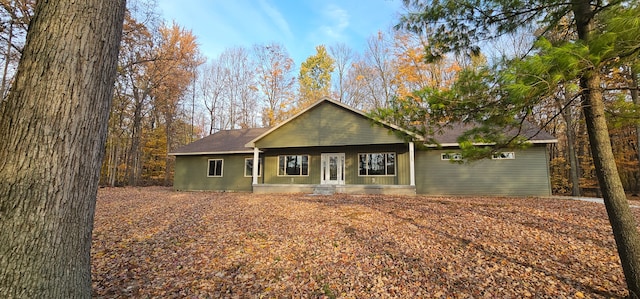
pixel 331 189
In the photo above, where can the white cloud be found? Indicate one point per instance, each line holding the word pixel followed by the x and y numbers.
pixel 299 25
pixel 276 17
pixel 337 21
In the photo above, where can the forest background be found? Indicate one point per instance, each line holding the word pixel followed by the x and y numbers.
pixel 168 94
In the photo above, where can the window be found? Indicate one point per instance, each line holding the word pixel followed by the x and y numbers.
pixel 293 165
pixel 215 167
pixel 248 167
pixel 451 156
pixel 377 164
pixel 503 156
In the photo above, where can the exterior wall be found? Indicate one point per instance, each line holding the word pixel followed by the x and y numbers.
pixel 401 177
pixel 191 173
pixel 526 175
pixel 328 125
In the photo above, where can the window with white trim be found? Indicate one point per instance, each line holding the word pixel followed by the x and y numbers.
pixel 215 168
pixel 248 167
pixel 377 164
pixel 503 156
pixel 295 165
pixel 451 156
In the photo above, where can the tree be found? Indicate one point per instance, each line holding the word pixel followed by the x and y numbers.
pixel 354 86
pixel 606 32
pixel 172 72
pixel 134 87
pixel 239 74
pixel 634 74
pixel 212 84
pixel 157 64
pixel 315 77
pixel 15 16
pixel 378 71
pixel 53 127
pixel 275 81
pixel 343 56
pixel 411 72
pixel 229 92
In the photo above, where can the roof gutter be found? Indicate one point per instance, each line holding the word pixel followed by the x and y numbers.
pixel 547 141
pixel 211 153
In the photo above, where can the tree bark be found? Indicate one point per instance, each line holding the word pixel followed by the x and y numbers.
pixel 634 98
pixel 622 222
pixel 53 129
pixel 133 158
pixel 573 158
pixel 574 171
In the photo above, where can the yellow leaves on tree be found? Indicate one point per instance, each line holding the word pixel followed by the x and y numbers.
pixel 275 81
pixel 315 77
pixel 413 72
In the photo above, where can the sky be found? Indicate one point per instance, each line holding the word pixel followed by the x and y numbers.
pixel 298 25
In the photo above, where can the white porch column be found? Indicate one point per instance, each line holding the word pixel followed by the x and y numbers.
pixel 412 165
pixel 256 160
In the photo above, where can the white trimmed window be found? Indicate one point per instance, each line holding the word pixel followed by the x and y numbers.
pixel 248 167
pixel 215 168
pixel 451 156
pixel 377 164
pixel 503 156
pixel 296 165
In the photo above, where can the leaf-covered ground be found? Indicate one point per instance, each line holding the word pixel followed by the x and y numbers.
pixel 154 242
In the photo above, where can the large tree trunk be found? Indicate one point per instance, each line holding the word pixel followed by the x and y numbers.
pixel 622 222
pixel 53 129
pixel 615 200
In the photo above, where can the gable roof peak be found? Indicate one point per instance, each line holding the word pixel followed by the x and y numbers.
pixel 338 104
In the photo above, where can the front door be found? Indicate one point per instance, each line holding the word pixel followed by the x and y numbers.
pixel 332 170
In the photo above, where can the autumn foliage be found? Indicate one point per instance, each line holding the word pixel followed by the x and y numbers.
pixel 154 242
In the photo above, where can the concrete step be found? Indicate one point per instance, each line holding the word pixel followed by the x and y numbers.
pixel 324 190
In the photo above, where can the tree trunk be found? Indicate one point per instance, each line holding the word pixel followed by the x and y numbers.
pixel 634 97
pixel 573 157
pixel 615 200
pixel 53 128
pixel 574 171
pixel 133 158
pixel 622 222
pixel 168 167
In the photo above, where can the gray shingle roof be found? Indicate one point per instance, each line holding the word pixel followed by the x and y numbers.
pixel 449 135
pixel 225 141
pixel 241 140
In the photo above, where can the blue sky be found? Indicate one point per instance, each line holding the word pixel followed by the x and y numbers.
pixel 299 25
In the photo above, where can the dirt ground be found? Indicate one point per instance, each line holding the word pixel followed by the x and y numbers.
pixel 155 242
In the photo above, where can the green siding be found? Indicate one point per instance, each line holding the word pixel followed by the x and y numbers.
pixel 271 169
pixel 191 173
pixel 526 175
pixel 351 165
pixel 328 125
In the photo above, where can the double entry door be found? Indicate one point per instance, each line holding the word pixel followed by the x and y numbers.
pixel 332 170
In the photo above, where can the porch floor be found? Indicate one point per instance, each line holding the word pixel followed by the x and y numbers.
pixel 332 189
